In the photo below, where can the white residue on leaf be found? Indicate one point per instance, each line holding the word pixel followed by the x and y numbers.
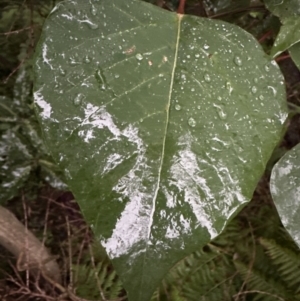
pixel 113 160
pixel 132 226
pixel 231 190
pixel 69 17
pixel 282 117
pixel 99 118
pixel 284 170
pixel 187 177
pixel 45 59
pixel 45 106
pixel 174 232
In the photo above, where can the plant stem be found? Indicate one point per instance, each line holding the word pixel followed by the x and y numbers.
pixel 181 6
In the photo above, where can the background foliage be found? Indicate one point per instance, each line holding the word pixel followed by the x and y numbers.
pixel 254 259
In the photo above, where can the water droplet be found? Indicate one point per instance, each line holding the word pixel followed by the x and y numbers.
pixel 192 122
pixel 78 99
pixel 220 111
pixel 267 67
pixel 117 75
pixel 139 57
pixel 229 87
pixel 91 24
pixel 219 98
pixel 177 107
pixel 99 75
pixel 206 46
pixel 86 59
pixel 73 62
pixel 238 61
pixel 254 89
pixel 261 97
pixel 255 80
pixel 273 90
pixel 207 78
pixel 62 72
pixel 94 11
pixel 193 90
pixel 198 107
pixel 197 55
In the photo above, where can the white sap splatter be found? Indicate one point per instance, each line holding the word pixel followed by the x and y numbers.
pixel 284 170
pixel 113 160
pixel 45 59
pixel 99 118
pixel 187 177
pixel 132 226
pixel 45 106
pixel 172 232
pixel 231 190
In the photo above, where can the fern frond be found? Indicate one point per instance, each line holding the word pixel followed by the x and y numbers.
pixel 266 289
pixel 287 261
pixel 89 279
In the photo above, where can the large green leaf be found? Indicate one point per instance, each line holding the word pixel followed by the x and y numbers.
pixel 163 125
pixel 285 189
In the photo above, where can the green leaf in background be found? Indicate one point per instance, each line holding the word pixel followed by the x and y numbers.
pixel 21 147
pixel 288 36
pixel 283 9
pixel 285 189
pixel 15 164
pixel 295 54
pixel 163 125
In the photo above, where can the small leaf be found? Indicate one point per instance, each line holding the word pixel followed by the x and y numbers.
pixel 283 9
pixel 295 54
pixel 163 124
pixel 285 189
pixel 288 36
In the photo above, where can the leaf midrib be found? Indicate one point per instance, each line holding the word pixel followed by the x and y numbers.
pixel 165 135
pixel 166 127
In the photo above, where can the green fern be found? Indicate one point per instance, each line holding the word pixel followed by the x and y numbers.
pixel 96 283
pixel 287 261
pixel 263 288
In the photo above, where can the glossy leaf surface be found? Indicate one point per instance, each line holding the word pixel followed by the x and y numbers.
pixel 163 125
pixel 285 189
pixel 288 36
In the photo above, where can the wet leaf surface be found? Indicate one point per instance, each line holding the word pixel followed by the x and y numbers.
pixel 163 125
pixel 285 189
